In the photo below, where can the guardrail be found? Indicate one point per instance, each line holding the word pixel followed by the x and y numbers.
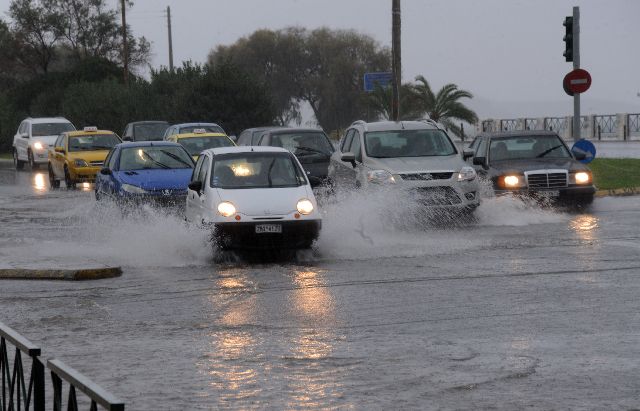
pixel 16 396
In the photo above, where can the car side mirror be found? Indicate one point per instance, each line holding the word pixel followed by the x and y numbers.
pixel 480 161
pixel 105 171
pixel 195 186
pixel 579 156
pixel 59 149
pixel 467 153
pixel 349 157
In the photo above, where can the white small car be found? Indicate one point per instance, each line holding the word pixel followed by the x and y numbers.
pixel 34 137
pixel 254 198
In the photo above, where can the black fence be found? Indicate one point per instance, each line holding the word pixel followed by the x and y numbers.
pixel 16 395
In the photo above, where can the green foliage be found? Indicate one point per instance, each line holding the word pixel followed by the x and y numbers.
pixel 613 173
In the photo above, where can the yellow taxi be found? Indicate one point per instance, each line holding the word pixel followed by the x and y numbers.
pixel 77 156
pixel 201 139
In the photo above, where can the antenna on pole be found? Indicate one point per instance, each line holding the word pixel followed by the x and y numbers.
pixel 170 39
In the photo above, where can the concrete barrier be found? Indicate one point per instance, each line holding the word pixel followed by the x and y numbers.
pixel 69 275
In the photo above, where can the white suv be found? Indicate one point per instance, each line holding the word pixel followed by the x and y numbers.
pixel 416 156
pixel 34 136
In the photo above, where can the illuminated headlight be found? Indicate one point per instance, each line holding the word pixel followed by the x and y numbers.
pixel 511 181
pixel 226 209
pixel 38 145
pixel 133 189
pixel 380 177
pixel 466 174
pixel 305 206
pixel 80 163
pixel 582 178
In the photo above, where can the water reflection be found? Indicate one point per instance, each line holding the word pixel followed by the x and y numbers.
pixel 585 226
pixel 39 182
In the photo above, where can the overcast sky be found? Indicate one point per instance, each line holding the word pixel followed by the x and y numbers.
pixel 503 51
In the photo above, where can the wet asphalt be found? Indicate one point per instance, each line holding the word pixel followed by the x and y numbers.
pixel 524 308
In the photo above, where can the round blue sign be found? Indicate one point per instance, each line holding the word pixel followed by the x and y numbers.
pixel 584 151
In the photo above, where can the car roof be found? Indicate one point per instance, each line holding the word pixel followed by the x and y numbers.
pixel 194 124
pixel 148 122
pixel 284 130
pixel 129 144
pixel 395 125
pixel 209 134
pixel 519 133
pixel 245 149
pixel 40 120
pixel 88 133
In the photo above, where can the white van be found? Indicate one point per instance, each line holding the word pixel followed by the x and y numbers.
pixel 254 198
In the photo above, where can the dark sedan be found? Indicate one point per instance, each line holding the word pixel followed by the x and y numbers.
pixel 535 163
pixel 311 146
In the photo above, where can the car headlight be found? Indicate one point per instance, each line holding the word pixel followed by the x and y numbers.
pixel 380 177
pixel 305 206
pixel 512 181
pixel 38 145
pixel 582 177
pixel 80 163
pixel 466 174
pixel 133 189
pixel 226 209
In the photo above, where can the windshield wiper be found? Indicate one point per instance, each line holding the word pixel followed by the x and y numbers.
pixel 312 150
pixel 269 172
pixel 175 157
pixel 163 165
pixel 544 153
pixel 105 147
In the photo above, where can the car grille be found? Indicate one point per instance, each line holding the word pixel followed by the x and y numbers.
pixel 96 163
pixel 437 196
pixel 427 176
pixel 547 180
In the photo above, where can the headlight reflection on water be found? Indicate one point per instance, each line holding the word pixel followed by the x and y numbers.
pixel 39 182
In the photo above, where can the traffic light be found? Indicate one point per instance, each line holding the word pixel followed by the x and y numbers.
pixel 568 38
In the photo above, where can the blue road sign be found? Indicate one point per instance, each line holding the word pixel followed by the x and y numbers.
pixel 585 147
pixel 383 79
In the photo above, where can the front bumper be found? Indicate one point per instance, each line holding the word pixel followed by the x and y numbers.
pixel 564 194
pixel 83 174
pixel 441 194
pixel 154 200
pixel 242 235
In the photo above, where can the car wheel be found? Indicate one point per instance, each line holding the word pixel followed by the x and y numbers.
pixel 53 182
pixel 67 179
pixel 32 161
pixel 19 164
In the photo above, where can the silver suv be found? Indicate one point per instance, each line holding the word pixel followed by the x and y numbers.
pixel 33 138
pixel 416 156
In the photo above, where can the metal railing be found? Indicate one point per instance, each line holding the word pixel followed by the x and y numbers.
pixel 532 124
pixel 633 124
pixel 557 124
pixel 487 126
pixel 605 124
pixel 16 396
pixel 508 125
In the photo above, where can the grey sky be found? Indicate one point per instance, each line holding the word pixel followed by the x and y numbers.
pixel 503 51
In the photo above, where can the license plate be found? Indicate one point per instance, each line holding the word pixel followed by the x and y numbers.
pixel 268 228
pixel 549 193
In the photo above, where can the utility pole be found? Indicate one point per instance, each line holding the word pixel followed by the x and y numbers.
pixel 170 39
pixel 125 46
pixel 396 61
pixel 576 65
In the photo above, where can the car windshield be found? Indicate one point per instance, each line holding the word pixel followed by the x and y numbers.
pixel 408 143
pixel 195 145
pixel 256 170
pixel 93 142
pixel 303 143
pixel 209 128
pixel 154 157
pixel 149 131
pixel 50 129
pixel 527 147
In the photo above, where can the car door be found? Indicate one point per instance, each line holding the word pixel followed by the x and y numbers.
pixel 338 168
pixel 194 205
pixel 355 175
pixel 21 141
pixel 57 157
pixel 480 153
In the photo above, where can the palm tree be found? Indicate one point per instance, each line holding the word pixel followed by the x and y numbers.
pixel 379 101
pixel 444 106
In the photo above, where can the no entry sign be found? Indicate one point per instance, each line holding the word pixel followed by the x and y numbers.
pixel 576 82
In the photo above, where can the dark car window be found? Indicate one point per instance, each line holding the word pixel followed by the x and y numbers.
pixel 256 170
pixel 59 141
pixel 93 142
pixel 243 137
pixel 196 170
pixel 50 129
pixel 202 173
pixel 481 148
pixel 302 143
pixel 408 143
pixel 346 141
pixel 208 128
pixel 195 145
pixel 154 157
pixel 149 131
pixel 527 147
pixel 355 148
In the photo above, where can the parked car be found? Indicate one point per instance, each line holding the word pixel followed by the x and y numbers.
pixel 253 197
pixel 411 155
pixel 250 136
pixel 535 163
pixel 312 147
pixel 184 128
pixel 145 131
pixel 34 137
pixel 145 172
pixel 201 140
pixel 76 156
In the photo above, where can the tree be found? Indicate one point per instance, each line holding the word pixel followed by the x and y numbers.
pixel 380 102
pixel 444 106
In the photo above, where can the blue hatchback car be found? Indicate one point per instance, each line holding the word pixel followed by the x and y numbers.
pixel 156 172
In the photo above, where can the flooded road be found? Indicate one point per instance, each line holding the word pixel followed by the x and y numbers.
pixel 524 308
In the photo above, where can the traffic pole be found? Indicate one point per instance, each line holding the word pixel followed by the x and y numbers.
pixel 396 61
pixel 170 39
pixel 576 65
pixel 125 46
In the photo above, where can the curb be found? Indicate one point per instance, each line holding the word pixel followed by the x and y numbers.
pixel 619 192
pixel 68 275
